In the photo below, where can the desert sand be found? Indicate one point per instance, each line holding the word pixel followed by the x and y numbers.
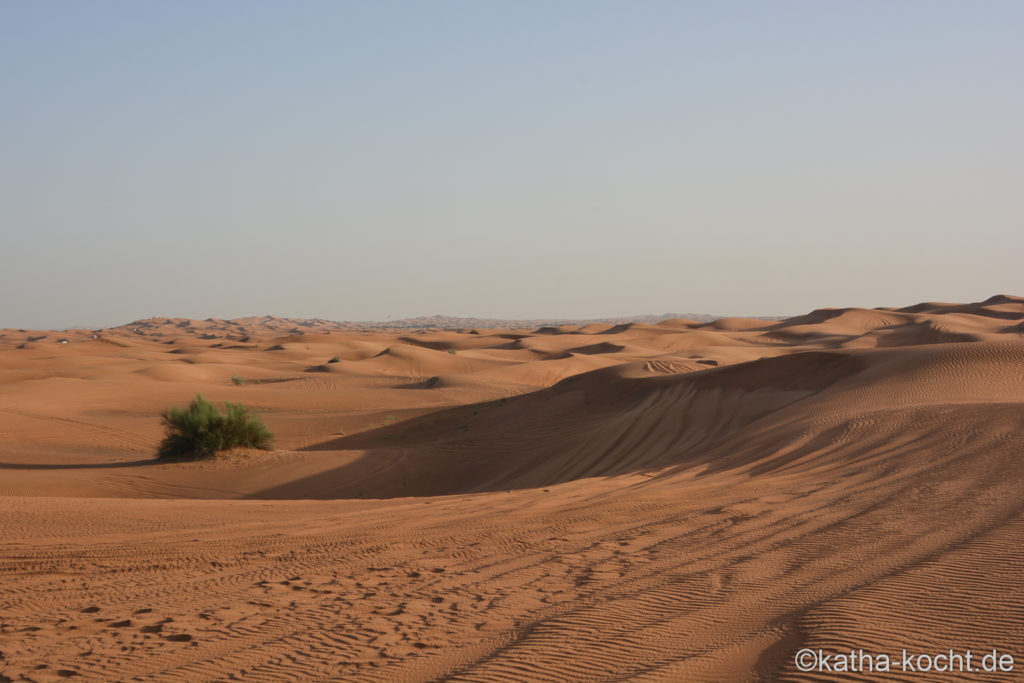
pixel 680 501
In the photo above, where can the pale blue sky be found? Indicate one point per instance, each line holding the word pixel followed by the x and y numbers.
pixel 359 160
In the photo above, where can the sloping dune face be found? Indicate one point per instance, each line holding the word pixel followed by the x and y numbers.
pixel 673 502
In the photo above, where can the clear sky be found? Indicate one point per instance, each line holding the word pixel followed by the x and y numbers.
pixel 365 160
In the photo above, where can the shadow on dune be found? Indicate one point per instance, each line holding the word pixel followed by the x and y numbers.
pixel 607 422
pixel 815 409
pixel 81 466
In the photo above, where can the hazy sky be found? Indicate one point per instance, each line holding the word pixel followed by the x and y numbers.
pixel 360 160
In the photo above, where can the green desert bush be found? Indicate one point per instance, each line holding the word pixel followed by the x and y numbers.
pixel 336 359
pixel 238 380
pixel 200 430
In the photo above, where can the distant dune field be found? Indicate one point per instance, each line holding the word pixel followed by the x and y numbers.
pixel 681 500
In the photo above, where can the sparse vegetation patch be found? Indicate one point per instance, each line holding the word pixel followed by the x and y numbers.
pixel 201 430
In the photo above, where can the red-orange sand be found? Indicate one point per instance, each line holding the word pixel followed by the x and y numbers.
pixel 670 502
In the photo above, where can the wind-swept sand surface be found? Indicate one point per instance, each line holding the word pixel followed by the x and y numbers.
pixel 680 501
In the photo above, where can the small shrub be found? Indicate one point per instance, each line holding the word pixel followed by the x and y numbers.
pixel 336 359
pixel 201 430
pixel 451 351
pixel 238 380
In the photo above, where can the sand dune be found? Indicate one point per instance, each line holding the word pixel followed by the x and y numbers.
pixel 680 501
